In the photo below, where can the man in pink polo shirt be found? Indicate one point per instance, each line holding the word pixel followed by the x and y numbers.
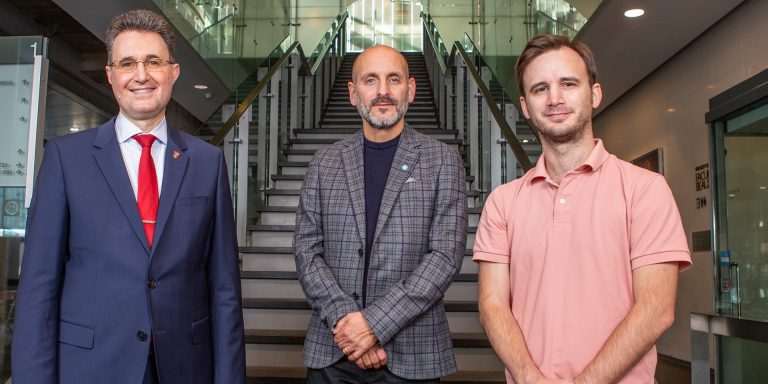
pixel 578 259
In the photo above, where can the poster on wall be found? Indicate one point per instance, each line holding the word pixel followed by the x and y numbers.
pixel 16 93
pixel 652 161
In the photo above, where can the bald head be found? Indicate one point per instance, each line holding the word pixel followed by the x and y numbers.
pixel 381 89
pixel 377 54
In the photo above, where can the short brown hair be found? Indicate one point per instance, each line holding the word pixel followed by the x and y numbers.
pixel 544 43
pixel 140 20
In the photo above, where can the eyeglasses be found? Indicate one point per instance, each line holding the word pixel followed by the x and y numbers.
pixel 151 65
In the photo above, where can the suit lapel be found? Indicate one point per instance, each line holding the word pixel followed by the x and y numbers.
pixel 176 159
pixel 352 159
pixel 110 160
pixel 402 165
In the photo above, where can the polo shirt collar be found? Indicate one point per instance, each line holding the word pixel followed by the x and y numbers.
pixel 595 160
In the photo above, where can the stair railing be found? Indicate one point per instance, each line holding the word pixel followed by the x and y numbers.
pixel 487 123
pixel 291 92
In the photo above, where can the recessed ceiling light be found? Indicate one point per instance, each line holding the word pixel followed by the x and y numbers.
pixel 671 109
pixel 201 86
pixel 74 129
pixel 762 187
pixel 637 12
pixel 525 140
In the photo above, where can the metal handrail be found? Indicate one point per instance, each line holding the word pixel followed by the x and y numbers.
pixel 219 137
pixel 341 19
pixel 458 50
pixel 305 66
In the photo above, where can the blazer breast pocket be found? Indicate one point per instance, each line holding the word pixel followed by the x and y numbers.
pixel 193 200
pixel 75 334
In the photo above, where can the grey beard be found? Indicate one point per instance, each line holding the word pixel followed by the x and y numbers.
pixel 381 123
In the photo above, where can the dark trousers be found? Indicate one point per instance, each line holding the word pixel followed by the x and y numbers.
pixel 346 372
pixel 150 374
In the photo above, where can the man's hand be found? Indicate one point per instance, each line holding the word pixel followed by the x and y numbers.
pixel 375 358
pixel 354 335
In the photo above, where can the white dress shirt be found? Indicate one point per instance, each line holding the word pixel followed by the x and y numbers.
pixel 131 149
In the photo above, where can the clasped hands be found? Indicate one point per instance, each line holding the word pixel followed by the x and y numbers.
pixel 356 339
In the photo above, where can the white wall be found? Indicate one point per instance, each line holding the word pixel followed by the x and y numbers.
pixel 667 111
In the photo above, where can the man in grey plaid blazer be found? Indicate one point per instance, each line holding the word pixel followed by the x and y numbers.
pixel 380 234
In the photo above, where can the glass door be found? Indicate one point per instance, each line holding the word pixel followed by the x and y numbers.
pixel 741 236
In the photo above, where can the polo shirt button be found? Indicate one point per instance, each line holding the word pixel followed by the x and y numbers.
pixel 562 201
pixel 141 336
pixel 360 252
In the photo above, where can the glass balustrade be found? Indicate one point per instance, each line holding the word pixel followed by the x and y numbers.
pixel 471 100
pixel 233 36
pixel 499 30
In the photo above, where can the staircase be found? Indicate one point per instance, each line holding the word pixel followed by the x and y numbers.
pixel 275 309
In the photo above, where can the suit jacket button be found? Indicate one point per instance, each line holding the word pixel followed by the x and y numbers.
pixel 360 252
pixel 355 295
pixel 152 283
pixel 141 336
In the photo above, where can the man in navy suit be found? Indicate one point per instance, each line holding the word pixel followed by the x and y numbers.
pixel 130 273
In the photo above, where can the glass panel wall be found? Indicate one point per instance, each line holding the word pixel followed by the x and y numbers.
pixel 22 88
pixel 233 36
pixel 396 24
pixel 500 29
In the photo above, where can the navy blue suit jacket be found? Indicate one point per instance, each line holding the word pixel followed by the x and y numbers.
pixel 91 287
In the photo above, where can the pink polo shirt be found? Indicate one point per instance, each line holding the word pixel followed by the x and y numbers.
pixel 571 249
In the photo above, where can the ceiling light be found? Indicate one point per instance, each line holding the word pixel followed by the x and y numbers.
pixel 637 12
pixel 671 109
pixel 525 140
pixel 74 129
pixel 201 86
pixel 762 187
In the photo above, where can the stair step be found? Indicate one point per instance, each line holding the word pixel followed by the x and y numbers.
pixel 263 288
pixel 282 355
pixel 293 275
pixel 282 197
pixel 282 235
pixel 276 261
pixel 339 133
pixel 297 375
pixel 287 215
pixel 322 143
pixel 253 303
pixel 296 337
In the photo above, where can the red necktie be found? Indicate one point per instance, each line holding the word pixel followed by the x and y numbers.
pixel 148 194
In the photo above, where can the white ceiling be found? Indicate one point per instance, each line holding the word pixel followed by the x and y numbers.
pixel 628 50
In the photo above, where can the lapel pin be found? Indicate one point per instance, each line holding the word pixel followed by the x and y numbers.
pixel 404 167
pixel 176 154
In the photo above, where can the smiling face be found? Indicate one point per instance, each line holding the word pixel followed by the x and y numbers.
pixel 381 90
pixel 141 95
pixel 558 98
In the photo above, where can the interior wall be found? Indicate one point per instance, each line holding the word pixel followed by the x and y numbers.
pixel 314 17
pixel 666 110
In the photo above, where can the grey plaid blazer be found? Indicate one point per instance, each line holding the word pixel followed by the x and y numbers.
pixel 418 248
